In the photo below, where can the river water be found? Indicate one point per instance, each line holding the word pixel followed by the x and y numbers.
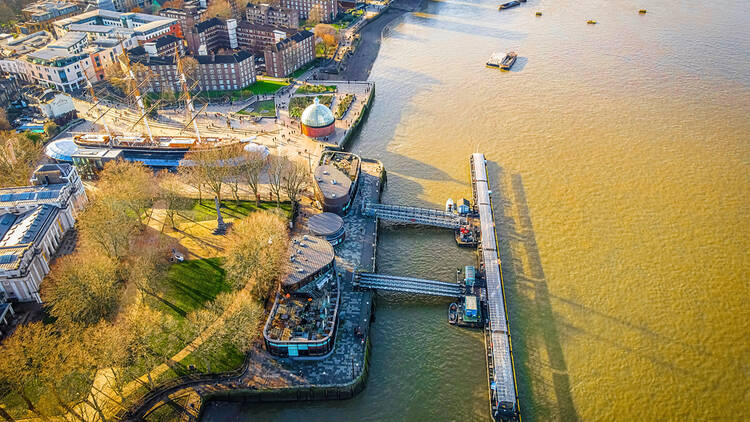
pixel 620 161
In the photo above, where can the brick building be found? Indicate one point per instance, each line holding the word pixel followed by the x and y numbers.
pixel 290 54
pixel 214 73
pixel 328 8
pixel 264 14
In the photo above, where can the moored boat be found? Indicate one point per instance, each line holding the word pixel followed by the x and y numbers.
pixel 508 5
pixel 453 313
pixel 508 60
pixel 591 22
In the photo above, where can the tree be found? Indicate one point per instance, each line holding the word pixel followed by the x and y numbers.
pixel 275 171
pixel 4 123
pixel 296 179
pixel 251 171
pixel 83 288
pixel 219 8
pixel 170 194
pixel 243 324
pixel 128 185
pixel 19 156
pixel 107 228
pixel 145 267
pixel 24 355
pixel 214 165
pixel 316 15
pixel 51 129
pixel 258 246
pixel 191 174
pixel 190 68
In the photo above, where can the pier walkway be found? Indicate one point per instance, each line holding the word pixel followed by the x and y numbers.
pixel 502 382
pixel 414 215
pixel 408 285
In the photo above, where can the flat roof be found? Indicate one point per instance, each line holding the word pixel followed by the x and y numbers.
pixel 325 224
pixel 332 182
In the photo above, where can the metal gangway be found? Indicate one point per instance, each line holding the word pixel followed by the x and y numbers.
pixel 408 285
pixel 413 215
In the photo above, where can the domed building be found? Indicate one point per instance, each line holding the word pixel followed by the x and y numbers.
pixel 317 120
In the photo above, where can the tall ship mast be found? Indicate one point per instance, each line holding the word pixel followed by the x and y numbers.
pixel 125 66
pixel 186 92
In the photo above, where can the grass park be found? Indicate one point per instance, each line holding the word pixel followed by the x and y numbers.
pixel 298 104
pixel 264 108
pixel 139 303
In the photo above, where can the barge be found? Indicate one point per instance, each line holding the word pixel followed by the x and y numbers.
pixel 508 60
pixel 508 5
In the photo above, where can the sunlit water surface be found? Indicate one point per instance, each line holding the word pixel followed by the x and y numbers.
pixel 621 169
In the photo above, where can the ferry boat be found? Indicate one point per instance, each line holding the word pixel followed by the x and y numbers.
pixel 508 5
pixel 508 60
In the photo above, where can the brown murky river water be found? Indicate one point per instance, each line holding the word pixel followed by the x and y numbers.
pixel 621 171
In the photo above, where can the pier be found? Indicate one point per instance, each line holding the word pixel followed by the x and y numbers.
pixel 414 215
pixel 408 285
pixel 502 393
pixel 502 383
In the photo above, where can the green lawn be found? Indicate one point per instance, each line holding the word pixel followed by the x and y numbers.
pixel 230 209
pixel 265 108
pixel 298 104
pixel 297 73
pixel 190 284
pixel 263 87
pixel 315 89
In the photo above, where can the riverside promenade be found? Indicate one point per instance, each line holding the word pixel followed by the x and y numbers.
pixel 339 375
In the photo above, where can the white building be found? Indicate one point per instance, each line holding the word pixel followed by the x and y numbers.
pixel 33 220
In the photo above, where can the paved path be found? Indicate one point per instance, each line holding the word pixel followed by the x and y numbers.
pixel 346 362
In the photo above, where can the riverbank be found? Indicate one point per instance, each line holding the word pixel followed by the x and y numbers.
pixel 358 66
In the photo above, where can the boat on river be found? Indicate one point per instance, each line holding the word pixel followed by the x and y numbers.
pixel 453 313
pixel 508 60
pixel 508 5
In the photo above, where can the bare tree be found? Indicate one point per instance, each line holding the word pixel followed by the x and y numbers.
pixel 214 165
pixel 252 169
pixel 191 174
pixel 296 179
pixel 275 171
pixel 170 193
pixel 108 228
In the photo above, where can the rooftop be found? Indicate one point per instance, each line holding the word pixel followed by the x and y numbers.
pixel 332 182
pixel 325 224
pixel 307 256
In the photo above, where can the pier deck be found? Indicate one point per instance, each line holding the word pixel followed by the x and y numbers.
pixel 408 285
pixel 503 393
pixel 414 215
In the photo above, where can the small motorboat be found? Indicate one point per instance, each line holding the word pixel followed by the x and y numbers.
pixel 539 13
pixel 508 5
pixel 591 22
pixel 453 313
pixel 508 60
pixel 642 11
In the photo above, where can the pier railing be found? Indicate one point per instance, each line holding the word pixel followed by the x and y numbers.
pixel 408 285
pixel 414 215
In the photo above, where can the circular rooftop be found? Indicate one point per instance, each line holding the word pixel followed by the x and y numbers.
pixel 317 115
pixel 325 224
pixel 61 149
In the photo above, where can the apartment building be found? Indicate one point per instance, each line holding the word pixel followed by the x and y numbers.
pixel 40 15
pixel 290 54
pixel 328 9
pixel 264 14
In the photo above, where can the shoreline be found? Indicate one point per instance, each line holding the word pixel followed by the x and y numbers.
pixel 359 65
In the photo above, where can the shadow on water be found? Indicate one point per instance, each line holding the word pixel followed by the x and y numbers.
pixel 520 64
pixel 542 375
